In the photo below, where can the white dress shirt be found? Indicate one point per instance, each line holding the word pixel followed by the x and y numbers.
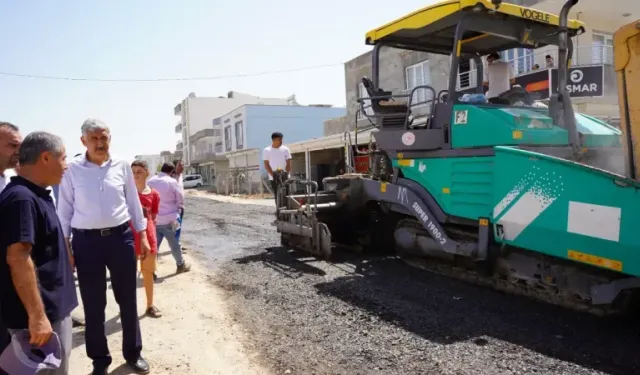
pixel 97 197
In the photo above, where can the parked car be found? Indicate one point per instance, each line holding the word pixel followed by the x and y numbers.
pixel 192 180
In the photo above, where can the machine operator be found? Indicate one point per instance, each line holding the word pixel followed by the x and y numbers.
pixel 499 76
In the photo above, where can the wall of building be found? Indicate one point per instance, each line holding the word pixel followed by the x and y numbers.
pixel 295 123
pixel 338 125
pixel 198 113
pixel 393 77
pixel 236 118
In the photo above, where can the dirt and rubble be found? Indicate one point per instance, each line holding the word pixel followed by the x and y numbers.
pixel 195 335
pixel 373 315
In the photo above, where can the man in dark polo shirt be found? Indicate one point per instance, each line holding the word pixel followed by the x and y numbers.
pixel 36 280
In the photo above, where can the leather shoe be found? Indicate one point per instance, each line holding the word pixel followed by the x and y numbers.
pixel 140 366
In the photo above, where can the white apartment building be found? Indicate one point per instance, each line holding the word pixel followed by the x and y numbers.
pixel 196 116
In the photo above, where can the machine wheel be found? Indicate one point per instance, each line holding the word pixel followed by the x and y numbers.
pixel 198 185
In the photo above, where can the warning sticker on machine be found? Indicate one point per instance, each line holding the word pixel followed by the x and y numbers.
pixel 461 117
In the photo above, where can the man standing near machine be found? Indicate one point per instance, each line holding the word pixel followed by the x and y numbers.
pixel 499 76
pixel 277 162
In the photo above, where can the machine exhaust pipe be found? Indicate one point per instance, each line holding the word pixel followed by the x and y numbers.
pixel 563 41
pixel 563 69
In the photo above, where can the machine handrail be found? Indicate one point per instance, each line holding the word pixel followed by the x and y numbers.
pixel 306 182
pixel 410 104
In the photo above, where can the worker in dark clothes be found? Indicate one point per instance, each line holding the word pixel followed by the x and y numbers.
pixel 10 140
pixel 98 199
pixel 36 278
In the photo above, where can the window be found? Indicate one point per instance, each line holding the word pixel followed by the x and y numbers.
pixel 467 74
pixel 239 135
pixel 362 93
pixel 419 75
pixel 521 59
pixel 602 50
pixel 227 138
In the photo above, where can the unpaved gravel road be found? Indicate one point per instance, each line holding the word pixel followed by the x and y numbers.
pixel 379 316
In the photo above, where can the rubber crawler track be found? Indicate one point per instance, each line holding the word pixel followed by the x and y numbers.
pixel 540 292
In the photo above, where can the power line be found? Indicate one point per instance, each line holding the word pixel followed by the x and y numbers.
pixel 210 78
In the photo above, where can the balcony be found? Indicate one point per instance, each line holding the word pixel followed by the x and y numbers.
pixel 177 110
pixel 179 146
pixel 178 128
pixel 201 134
pixel 203 157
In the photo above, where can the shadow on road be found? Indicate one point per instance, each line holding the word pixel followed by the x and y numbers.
pixel 285 262
pixel 444 310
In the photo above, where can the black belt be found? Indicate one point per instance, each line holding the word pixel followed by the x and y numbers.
pixel 103 231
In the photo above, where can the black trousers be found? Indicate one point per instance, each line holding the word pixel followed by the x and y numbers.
pixel 95 252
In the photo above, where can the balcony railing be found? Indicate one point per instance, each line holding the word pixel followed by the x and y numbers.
pixel 178 128
pixel 179 146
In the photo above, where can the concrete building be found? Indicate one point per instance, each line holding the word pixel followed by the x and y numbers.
pixel 196 114
pixel 240 135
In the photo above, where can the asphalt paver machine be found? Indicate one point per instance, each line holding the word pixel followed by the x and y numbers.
pixel 525 199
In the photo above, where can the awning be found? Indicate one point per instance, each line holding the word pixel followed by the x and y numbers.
pixel 330 142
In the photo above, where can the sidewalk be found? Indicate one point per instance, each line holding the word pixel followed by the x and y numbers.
pixel 270 202
pixel 195 336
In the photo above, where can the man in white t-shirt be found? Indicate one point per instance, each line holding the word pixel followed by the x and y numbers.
pixel 498 75
pixel 276 158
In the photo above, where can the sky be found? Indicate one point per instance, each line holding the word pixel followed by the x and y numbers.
pixel 144 39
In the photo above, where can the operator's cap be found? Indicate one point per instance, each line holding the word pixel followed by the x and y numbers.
pixel 22 358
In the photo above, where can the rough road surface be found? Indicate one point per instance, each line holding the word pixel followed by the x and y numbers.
pixel 195 335
pixel 379 316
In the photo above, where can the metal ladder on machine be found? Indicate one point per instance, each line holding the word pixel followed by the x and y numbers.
pixel 348 147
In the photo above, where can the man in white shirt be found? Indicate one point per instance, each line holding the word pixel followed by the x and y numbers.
pixel 498 75
pixel 276 158
pixel 98 198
